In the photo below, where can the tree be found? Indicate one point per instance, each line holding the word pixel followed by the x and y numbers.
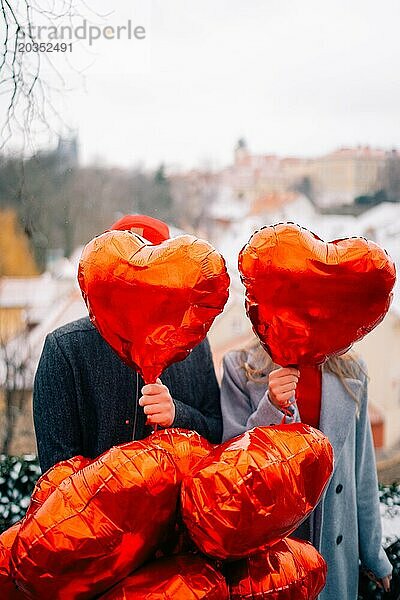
pixel 194 195
pixel 30 83
pixel 161 199
pixel 371 199
pixel 305 186
pixel 60 209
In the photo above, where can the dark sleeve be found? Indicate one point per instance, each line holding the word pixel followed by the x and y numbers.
pixel 55 412
pixel 206 420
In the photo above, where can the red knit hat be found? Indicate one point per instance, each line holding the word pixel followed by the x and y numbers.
pixel 151 229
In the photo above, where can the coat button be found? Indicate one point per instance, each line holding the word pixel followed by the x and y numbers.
pixel 339 488
pixel 339 539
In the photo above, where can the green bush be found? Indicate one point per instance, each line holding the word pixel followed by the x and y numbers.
pixel 389 495
pixel 18 476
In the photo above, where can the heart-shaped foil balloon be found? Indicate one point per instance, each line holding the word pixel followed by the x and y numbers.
pixel 255 489
pixel 152 304
pixel 44 487
pixel 290 570
pixel 97 524
pixel 308 299
pixel 184 577
pixel 101 523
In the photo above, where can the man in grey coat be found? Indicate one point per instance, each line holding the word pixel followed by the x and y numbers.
pixel 345 526
pixel 86 400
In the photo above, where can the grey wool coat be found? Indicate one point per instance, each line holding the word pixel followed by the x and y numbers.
pixel 345 526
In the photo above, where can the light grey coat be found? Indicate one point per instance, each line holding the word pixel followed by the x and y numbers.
pixel 346 525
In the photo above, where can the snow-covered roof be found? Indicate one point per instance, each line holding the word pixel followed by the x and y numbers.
pixel 25 291
pixel 227 205
pixel 386 214
pixel 35 295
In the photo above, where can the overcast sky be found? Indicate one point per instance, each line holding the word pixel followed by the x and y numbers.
pixel 292 77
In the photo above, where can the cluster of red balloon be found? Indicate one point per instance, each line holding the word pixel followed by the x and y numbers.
pixel 91 525
pixel 110 527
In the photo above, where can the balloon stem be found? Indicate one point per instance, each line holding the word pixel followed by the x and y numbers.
pixel 155 426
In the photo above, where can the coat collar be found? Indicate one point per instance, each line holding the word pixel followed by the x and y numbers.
pixel 338 409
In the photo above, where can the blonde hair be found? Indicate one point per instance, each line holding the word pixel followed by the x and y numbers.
pixel 346 366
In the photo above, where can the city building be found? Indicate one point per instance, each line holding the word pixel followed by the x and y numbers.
pixel 346 173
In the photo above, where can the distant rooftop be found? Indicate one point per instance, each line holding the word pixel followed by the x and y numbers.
pixel 272 201
pixel 358 151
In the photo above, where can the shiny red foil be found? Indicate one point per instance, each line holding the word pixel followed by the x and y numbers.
pixel 184 577
pixel 152 304
pixel 99 525
pixel 8 591
pixel 49 481
pixel 187 447
pixel 290 570
pixel 308 299
pixel 45 485
pixel 255 489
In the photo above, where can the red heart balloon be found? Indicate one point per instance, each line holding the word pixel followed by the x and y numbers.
pixel 291 569
pixel 90 518
pixel 255 489
pixel 44 487
pixel 308 299
pixel 183 577
pixel 100 524
pixel 152 304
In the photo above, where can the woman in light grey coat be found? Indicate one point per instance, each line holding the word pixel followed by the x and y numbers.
pixel 345 526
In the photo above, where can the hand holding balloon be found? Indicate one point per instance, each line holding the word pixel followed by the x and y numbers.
pixel 157 404
pixel 282 383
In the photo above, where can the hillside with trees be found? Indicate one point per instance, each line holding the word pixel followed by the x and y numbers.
pixel 60 205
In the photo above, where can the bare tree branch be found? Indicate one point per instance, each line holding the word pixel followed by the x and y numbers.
pixel 29 91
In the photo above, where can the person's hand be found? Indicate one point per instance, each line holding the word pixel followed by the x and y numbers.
pixel 282 385
pixel 383 583
pixel 157 404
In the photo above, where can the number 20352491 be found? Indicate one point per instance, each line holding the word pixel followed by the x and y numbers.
pixel 44 47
